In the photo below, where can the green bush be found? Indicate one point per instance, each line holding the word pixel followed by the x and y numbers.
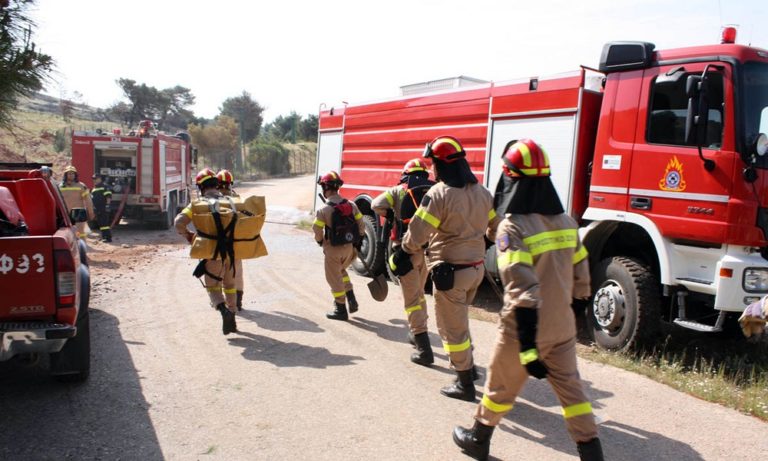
pixel 270 157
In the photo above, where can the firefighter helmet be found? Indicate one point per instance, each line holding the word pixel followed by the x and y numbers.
pixel 445 148
pixel 70 168
pixel 414 165
pixel 330 180
pixel 525 158
pixel 225 177
pixel 205 175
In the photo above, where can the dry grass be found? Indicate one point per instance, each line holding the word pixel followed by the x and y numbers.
pixel 739 380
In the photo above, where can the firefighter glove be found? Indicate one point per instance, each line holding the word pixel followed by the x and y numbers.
pixel 527 320
pixel 319 243
pixel 400 262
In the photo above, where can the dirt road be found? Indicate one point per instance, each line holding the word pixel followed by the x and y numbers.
pixel 166 384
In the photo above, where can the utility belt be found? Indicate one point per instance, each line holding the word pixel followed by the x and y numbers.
pixel 443 274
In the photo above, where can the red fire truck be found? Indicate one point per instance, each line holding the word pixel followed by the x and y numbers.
pixel 660 155
pixel 153 169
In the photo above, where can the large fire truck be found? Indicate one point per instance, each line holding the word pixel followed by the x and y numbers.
pixel 660 156
pixel 150 172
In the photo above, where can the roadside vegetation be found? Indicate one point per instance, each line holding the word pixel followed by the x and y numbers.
pixel 722 368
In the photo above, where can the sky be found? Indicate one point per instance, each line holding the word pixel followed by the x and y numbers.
pixel 293 55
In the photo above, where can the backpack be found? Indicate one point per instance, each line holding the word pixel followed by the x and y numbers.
pixel 415 190
pixel 343 228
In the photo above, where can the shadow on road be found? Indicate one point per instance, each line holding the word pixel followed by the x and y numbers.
pixel 282 354
pixel 619 441
pixel 107 417
pixel 280 321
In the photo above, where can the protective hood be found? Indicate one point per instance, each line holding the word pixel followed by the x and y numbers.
pixel 454 174
pixel 525 196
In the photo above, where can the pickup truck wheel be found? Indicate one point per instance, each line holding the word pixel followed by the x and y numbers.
pixel 370 252
pixel 625 311
pixel 73 363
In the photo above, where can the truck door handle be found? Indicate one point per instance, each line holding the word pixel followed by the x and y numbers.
pixel 640 203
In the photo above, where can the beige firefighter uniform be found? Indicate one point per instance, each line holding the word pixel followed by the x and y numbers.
pixel 219 291
pixel 412 283
pixel 76 195
pixel 452 221
pixel 337 258
pixel 543 265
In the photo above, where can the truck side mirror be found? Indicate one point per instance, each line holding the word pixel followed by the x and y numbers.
pixel 697 117
pixel 77 215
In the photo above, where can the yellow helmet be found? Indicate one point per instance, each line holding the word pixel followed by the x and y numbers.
pixel 70 168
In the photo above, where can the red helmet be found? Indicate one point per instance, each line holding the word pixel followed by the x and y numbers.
pixel 225 177
pixel 525 158
pixel 330 180
pixel 415 165
pixel 206 174
pixel 445 148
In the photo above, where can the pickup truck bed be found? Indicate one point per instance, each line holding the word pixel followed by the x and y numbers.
pixel 44 275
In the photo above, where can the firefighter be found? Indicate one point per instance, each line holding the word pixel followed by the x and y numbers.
pixel 452 220
pixel 543 265
pixel 226 179
pixel 398 204
pixel 753 319
pixel 76 195
pixel 46 172
pixel 338 229
pixel 101 196
pixel 218 273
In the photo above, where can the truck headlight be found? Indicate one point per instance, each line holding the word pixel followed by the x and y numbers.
pixel 755 280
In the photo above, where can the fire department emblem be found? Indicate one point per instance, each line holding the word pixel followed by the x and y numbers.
pixel 673 180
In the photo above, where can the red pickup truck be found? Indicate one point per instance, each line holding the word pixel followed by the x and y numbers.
pixel 44 276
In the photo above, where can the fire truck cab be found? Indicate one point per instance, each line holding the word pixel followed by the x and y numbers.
pixel 660 155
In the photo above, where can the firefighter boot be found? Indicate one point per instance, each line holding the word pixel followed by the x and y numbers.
pixel 239 300
pixel 423 354
pixel 106 235
pixel 339 312
pixel 352 302
pixel 227 319
pixel 463 388
pixel 475 442
pixel 590 451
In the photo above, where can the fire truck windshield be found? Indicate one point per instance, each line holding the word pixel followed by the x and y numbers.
pixel 754 92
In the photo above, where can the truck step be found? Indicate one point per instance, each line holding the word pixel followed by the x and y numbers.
pixel 696 326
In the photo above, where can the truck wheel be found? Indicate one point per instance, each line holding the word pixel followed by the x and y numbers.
pixel 625 311
pixel 73 363
pixel 170 214
pixel 370 252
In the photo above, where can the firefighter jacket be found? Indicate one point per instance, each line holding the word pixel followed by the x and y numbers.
pixel 76 195
pixel 323 219
pixel 543 266
pixel 452 221
pixel 236 235
pixel 391 198
pixel 101 195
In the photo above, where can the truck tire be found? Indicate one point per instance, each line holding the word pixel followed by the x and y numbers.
pixel 73 363
pixel 170 214
pixel 625 310
pixel 370 252
pixel 83 250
